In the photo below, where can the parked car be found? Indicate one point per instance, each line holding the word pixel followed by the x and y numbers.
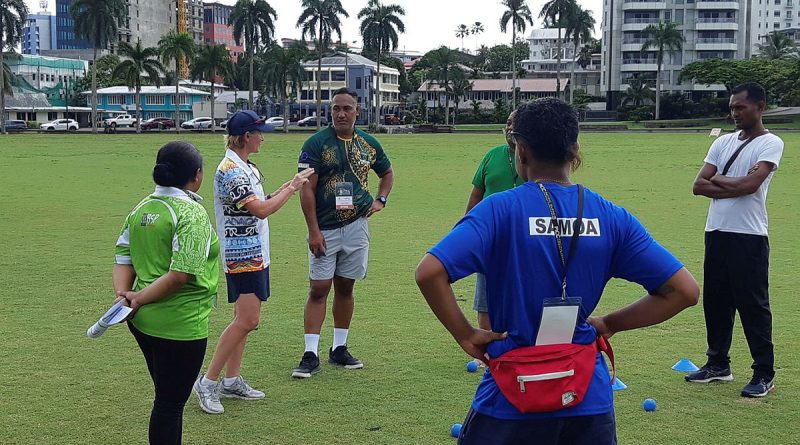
pixel 198 123
pixel 312 121
pixel 60 125
pixel 123 120
pixel 275 121
pixel 224 124
pixel 391 119
pixel 16 125
pixel 159 123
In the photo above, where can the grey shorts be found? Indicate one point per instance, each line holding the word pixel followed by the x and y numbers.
pixel 346 253
pixel 480 294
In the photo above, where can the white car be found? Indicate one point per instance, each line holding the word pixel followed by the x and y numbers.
pixel 275 121
pixel 60 125
pixel 198 123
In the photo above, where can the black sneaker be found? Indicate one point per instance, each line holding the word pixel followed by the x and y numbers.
pixel 758 387
pixel 309 365
pixel 708 374
pixel 341 356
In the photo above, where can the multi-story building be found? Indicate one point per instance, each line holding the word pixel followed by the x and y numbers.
pixel 726 29
pixel 543 60
pixel 216 30
pixel 357 73
pixel 39 32
pixel 195 26
pixel 45 73
pixel 155 101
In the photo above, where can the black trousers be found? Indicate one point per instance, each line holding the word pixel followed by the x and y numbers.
pixel 480 429
pixel 174 366
pixel 736 278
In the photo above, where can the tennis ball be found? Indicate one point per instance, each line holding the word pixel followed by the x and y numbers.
pixel 472 366
pixel 649 405
pixel 455 430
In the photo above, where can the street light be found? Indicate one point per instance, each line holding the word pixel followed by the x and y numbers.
pixel 346 68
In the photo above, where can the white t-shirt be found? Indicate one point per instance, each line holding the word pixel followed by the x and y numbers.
pixel 748 213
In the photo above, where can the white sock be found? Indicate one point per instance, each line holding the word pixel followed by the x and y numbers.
pixel 339 337
pixel 206 382
pixel 228 381
pixel 312 343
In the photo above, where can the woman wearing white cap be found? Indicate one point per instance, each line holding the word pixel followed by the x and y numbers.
pixel 242 208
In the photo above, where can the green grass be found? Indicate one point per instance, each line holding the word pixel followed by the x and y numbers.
pixel 65 196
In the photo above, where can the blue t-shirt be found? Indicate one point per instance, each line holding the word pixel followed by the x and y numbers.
pixel 508 237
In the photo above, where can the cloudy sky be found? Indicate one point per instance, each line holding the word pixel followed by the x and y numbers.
pixel 429 23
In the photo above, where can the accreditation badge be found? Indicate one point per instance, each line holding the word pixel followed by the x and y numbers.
pixel 344 196
pixel 559 320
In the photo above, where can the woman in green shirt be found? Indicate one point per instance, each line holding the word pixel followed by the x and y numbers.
pixel 166 269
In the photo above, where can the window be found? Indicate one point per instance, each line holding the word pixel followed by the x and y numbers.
pixel 154 100
pixel 358 83
pixel 183 98
pixel 115 99
pixel 337 76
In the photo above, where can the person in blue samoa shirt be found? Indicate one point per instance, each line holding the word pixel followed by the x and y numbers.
pixel 509 238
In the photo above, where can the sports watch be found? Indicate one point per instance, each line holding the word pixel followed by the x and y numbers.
pixel 382 200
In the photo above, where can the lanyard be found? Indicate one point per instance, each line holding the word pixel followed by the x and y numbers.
pixel 557 230
pixel 514 175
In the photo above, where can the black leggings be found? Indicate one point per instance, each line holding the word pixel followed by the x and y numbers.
pixel 173 366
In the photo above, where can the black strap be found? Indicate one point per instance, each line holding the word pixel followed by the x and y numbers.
pixel 739 150
pixel 573 246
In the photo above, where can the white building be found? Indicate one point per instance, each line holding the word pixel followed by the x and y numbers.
pixel 543 60
pixel 39 32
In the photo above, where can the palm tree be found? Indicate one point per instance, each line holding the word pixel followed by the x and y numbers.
pixel 777 46
pixel 177 46
pixel 211 61
pixel 664 38
pixel 555 14
pixel 380 24
pixel 462 31
pixel 638 91
pixel 96 21
pixel 284 73
pixel 459 86
pixel 518 13
pixel 319 20
pixel 139 60
pixel 441 63
pixel 475 29
pixel 256 20
pixel 580 27
pixel 13 14
pixel 585 54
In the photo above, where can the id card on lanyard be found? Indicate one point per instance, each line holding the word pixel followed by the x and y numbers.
pixel 560 314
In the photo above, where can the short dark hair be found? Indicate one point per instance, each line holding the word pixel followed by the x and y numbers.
pixel 345 90
pixel 549 127
pixel 755 92
pixel 177 163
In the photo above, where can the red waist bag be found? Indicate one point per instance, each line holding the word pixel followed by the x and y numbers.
pixel 548 378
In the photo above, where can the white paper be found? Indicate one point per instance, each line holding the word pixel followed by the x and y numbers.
pixel 558 325
pixel 114 315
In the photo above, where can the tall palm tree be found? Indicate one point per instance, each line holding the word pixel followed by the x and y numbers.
pixel 475 29
pixel 580 27
pixel 319 20
pixel 441 63
pixel 211 61
pixel 13 14
pixel 139 60
pixel 284 73
pixel 380 24
pixel 462 31
pixel 664 38
pixel 177 46
pixel 518 13
pixel 459 87
pixel 256 20
pixel 555 14
pixel 96 21
pixel 777 46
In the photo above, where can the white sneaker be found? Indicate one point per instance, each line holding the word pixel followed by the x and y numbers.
pixel 208 395
pixel 240 390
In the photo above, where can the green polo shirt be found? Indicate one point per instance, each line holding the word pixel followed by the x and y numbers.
pixel 497 171
pixel 337 161
pixel 166 231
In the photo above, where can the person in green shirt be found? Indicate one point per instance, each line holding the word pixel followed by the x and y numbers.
pixel 336 204
pixel 166 269
pixel 496 173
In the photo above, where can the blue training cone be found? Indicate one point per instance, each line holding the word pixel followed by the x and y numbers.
pixel 618 385
pixel 685 365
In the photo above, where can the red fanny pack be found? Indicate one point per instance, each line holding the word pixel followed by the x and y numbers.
pixel 548 378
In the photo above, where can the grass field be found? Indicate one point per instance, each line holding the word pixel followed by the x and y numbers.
pixel 65 196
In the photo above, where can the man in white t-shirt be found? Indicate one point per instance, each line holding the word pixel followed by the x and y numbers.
pixel 736 175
